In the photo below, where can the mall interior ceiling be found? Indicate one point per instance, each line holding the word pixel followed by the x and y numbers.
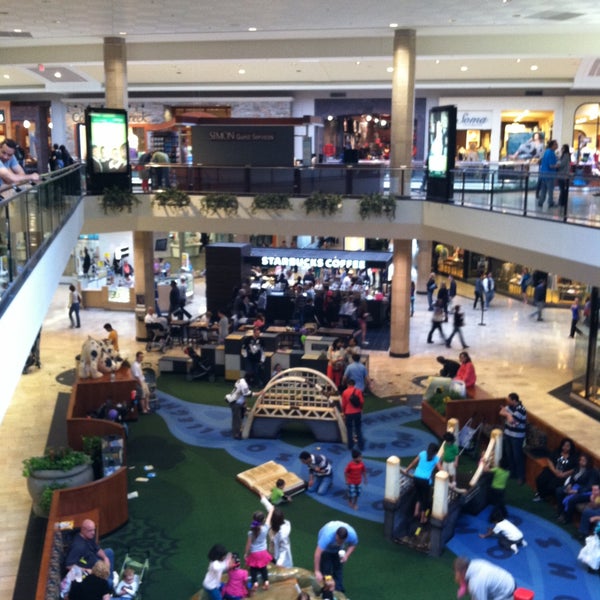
pixel 51 48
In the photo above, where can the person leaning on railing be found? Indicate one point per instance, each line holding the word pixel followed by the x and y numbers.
pixel 11 172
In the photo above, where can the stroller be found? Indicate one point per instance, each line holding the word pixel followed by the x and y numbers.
pixel 158 336
pixel 131 587
pixel 201 367
pixel 468 437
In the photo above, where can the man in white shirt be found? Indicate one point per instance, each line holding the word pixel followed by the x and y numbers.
pixel 483 580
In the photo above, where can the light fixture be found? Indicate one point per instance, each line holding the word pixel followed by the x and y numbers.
pixel 533 68
pixel 17 30
pixel 358 62
pixel 518 60
pixel 6 76
pixel 27 123
pixel 122 33
pixel 241 71
pixel 368 118
pixel 464 68
pixel 437 61
pixel 50 125
pixel 330 117
pixel 57 74
pixel 383 122
pixel 390 69
pixel 393 25
pixel 252 29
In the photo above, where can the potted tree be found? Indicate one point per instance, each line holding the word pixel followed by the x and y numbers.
pixel 58 467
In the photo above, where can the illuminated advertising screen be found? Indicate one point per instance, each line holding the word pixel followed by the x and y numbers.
pixel 442 152
pixel 107 148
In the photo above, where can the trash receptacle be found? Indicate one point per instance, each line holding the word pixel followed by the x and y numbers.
pixel 140 326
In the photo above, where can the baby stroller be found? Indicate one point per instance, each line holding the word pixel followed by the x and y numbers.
pixel 468 437
pixel 201 367
pixel 132 591
pixel 158 336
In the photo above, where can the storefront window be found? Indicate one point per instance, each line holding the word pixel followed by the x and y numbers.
pixel 586 136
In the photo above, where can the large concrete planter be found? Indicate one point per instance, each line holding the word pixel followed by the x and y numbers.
pixel 39 480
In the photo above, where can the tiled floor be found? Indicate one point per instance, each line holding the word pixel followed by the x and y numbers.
pixel 511 352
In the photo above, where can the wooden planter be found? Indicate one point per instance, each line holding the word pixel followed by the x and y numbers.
pixel 433 419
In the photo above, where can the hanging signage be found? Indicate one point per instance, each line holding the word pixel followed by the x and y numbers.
pixel 474 119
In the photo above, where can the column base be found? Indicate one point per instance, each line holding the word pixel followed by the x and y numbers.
pixel 399 354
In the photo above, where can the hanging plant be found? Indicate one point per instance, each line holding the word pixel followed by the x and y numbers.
pixel 376 205
pixel 213 203
pixel 326 204
pixel 271 202
pixel 116 199
pixel 172 197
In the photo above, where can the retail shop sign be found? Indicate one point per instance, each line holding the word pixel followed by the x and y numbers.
pixel 469 119
pixel 240 136
pixel 307 263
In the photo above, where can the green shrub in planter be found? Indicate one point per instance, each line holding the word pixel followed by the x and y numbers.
pixel 55 459
pixel 116 200
pixel 46 499
pixel 172 197
pixel 270 202
pixel 376 205
pixel 213 203
pixel 439 400
pixel 326 204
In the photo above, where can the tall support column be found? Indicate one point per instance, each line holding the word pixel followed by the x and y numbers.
pixel 115 72
pixel 400 308
pixel 403 104
pixel 423 265
pixel 403 107
pixel 143 265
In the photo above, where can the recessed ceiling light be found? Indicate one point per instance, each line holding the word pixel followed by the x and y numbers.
pixel 241 71
pixel 6 76
pixel 252 29
pixel 330 117
pixel 18 30
pixel 518 60
pixel 464 68
pixel 393 25
pixel 437 61
pixel 122 33
pixel 533 68
pixel 57 74
pixel 358 62
pixel 390 69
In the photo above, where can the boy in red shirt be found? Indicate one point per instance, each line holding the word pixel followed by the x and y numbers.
pixel 356 474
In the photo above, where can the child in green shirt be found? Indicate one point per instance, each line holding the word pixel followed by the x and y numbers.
pixel 450 454
pixel 500 475
pixel 277 494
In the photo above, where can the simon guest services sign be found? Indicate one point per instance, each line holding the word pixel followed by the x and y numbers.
pixel 474 119
pixel 240 145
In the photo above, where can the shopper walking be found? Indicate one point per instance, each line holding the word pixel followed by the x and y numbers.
pixel 74 306
pixel 437 319
pixel 458 322
pixel 539 299
pixel 562 176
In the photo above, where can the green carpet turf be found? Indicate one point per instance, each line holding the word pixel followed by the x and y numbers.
pixel 194 501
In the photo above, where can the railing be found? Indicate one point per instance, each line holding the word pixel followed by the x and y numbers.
pixel 343 179
pixel 500 187
pixel 29 218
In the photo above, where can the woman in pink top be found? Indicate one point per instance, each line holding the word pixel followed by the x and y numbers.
pixel 466 371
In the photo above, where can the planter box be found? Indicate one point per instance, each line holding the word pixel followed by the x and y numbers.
pixel 485 410
pixel 433 419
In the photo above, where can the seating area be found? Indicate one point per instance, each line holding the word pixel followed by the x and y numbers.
pixel 103 500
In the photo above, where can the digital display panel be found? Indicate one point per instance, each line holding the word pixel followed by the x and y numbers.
pixel 108 149
pixel 437 160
